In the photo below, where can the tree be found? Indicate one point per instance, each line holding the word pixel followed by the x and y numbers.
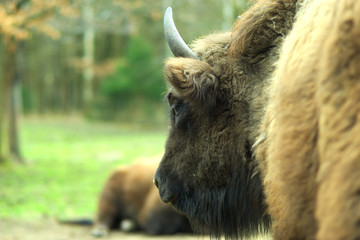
pixel 18 20
pixel 88 56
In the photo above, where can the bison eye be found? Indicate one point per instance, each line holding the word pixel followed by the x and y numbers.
pixel 177 109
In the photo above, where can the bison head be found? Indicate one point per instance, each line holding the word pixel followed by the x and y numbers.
pixel 215 97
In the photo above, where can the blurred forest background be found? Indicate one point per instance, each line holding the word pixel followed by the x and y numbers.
pixel 81 91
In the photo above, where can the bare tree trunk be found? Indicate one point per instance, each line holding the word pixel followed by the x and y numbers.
pixel 2 116
pixel 3 109
pixel 167 53
pixel 14 109
pixel 228 15
pixel 5 99
pixel 88 48
pixel 9 120
pixel 243 5
pixel 15 104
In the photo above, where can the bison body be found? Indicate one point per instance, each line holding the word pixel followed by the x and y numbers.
pixel 130 199
pixel 312 121
pixel 264 124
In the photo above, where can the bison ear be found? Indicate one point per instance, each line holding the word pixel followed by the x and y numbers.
pixel 261 28
pixel 193 79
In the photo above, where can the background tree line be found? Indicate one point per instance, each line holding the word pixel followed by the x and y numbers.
pixel 100 59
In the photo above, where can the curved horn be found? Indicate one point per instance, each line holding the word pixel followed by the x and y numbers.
pixel 176 43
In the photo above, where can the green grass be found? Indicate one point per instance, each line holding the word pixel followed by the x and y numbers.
pixel 67 165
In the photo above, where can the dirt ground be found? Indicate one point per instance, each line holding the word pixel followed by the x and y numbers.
pixel 51 230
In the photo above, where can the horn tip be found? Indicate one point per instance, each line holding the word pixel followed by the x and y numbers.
pixel 168 13
pixel 176 43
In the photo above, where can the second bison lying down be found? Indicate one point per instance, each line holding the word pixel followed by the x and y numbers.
pixel 265 123
pixel 130 199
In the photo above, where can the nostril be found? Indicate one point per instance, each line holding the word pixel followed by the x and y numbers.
pixel 156 178
pixel 167 194
pixel 156 182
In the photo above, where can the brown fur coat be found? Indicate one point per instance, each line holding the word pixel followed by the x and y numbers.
pixel 311 156
pixel 129 194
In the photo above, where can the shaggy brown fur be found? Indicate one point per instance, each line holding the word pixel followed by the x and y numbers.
pixel 129 194
pixel 313 146
pixel 338 97
pixel 208 170
pixel 237 126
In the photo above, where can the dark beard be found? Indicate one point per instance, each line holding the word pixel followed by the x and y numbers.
pixel 236 211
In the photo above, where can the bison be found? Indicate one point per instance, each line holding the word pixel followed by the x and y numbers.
pixel 312 150
pixel 129 198
pixel 264 123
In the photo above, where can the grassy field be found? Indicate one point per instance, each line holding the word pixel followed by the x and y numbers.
pixel 67 165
